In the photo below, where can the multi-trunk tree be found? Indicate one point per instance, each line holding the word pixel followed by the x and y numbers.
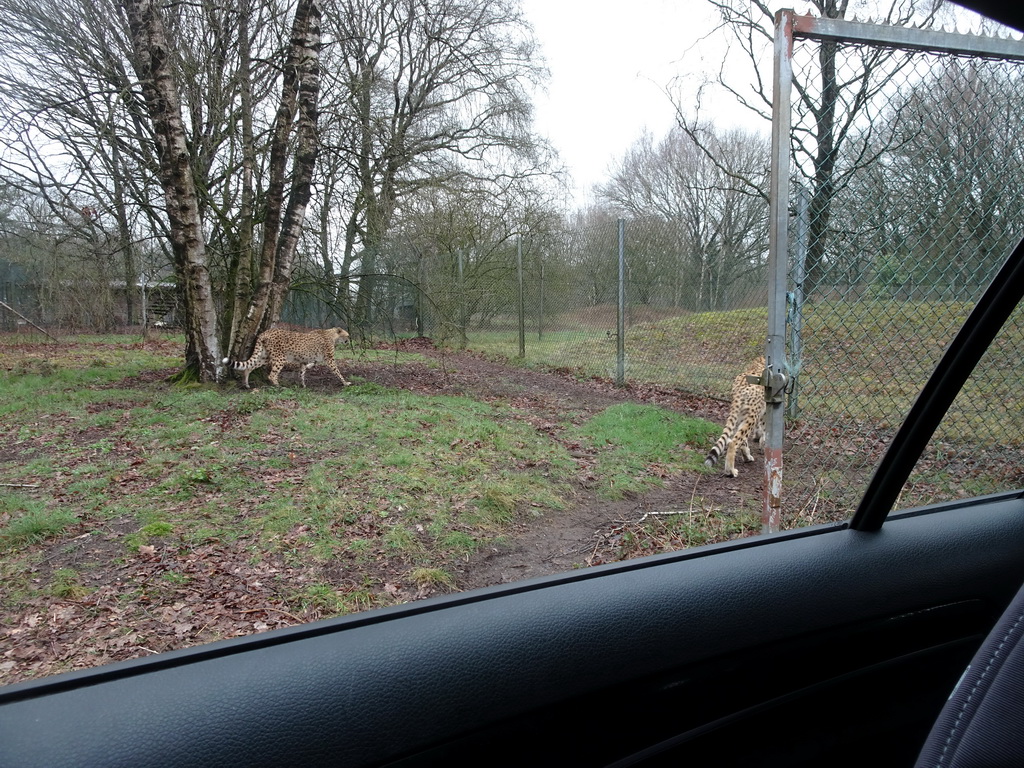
pixel 210 129
pixel 152 116
pixel 293 147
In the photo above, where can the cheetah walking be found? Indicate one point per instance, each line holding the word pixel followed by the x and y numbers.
pixel 278 347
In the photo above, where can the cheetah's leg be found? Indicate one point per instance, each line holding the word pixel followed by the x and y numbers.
pixel 759 435
pixel 730 460
pixel 745 446
pixel 275 369
pixel 333 365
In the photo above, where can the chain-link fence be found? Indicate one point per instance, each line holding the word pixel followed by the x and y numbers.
pixel 637 301
pixel 628 300
pixel 907 193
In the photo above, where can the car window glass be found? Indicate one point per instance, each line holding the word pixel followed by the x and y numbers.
pixel 535 389
pixel 978 448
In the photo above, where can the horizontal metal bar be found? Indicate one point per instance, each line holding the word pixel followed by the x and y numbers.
pixel 841 30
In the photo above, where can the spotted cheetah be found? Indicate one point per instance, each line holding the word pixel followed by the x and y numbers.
pixel 746 418
pixel 279 347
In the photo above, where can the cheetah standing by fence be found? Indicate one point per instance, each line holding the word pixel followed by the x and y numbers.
pixel 746 419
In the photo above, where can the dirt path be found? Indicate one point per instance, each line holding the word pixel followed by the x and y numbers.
pixel 581 534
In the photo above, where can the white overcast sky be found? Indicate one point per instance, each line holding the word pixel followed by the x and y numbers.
pixel 610 63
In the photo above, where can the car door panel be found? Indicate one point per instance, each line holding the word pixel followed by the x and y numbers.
pixel 709 651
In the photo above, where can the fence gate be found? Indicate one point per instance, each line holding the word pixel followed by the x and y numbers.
pixel 897 191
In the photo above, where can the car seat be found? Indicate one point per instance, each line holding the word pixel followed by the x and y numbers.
pixel 982 723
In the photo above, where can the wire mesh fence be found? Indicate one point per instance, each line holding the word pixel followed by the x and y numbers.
pixel 907 194
pixel 632 301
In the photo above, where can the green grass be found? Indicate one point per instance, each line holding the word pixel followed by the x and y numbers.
pixel 686 529
pixel 30 520
pixel 636 440
pixel 326 599
pixel 694 351
pixel 864 363
pixel 432 578
pixel 285 472
pixel 66 584
pixel 554 348
pixel 371 478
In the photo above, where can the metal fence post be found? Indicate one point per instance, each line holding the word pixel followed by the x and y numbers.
pixel 620 326
pixel 463 319
pixel 422 323
pixel 522 297
pixel 778 242
pixel 540 309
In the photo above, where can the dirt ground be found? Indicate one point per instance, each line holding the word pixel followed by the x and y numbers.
pixel 223 593
pixel 580 534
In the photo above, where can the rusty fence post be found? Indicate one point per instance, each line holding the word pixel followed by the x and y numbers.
pixel 778 246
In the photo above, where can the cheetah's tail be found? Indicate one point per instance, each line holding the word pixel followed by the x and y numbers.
pixel 716 451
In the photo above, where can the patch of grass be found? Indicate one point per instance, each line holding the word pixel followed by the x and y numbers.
pixel 401 453
pixel 387 356
pixel 176 578
pixel 432 578
pixel 497 505
pixel 322 598
pixel 158 529
pixel 33 522
pixel 639 444
pixel 400 539
pixel 360 546
pixel 671 532
pixel 66 584
pixel 699 351
pixel 39 468
pixel 355 600
pixel 251 401
pixel 459 542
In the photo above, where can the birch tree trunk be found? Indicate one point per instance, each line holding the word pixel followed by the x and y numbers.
pixel 241 268
pixel 153 65
pixel 282 224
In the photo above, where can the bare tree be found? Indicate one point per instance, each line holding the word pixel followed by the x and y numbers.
pixel 455 248
pixel 173 97
pixel 289 189
pixel 60 124
pixel 831 106
pixel 153 63
pixel 426 94
pixel 418 95
pixel 938 228
pixel 701 231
